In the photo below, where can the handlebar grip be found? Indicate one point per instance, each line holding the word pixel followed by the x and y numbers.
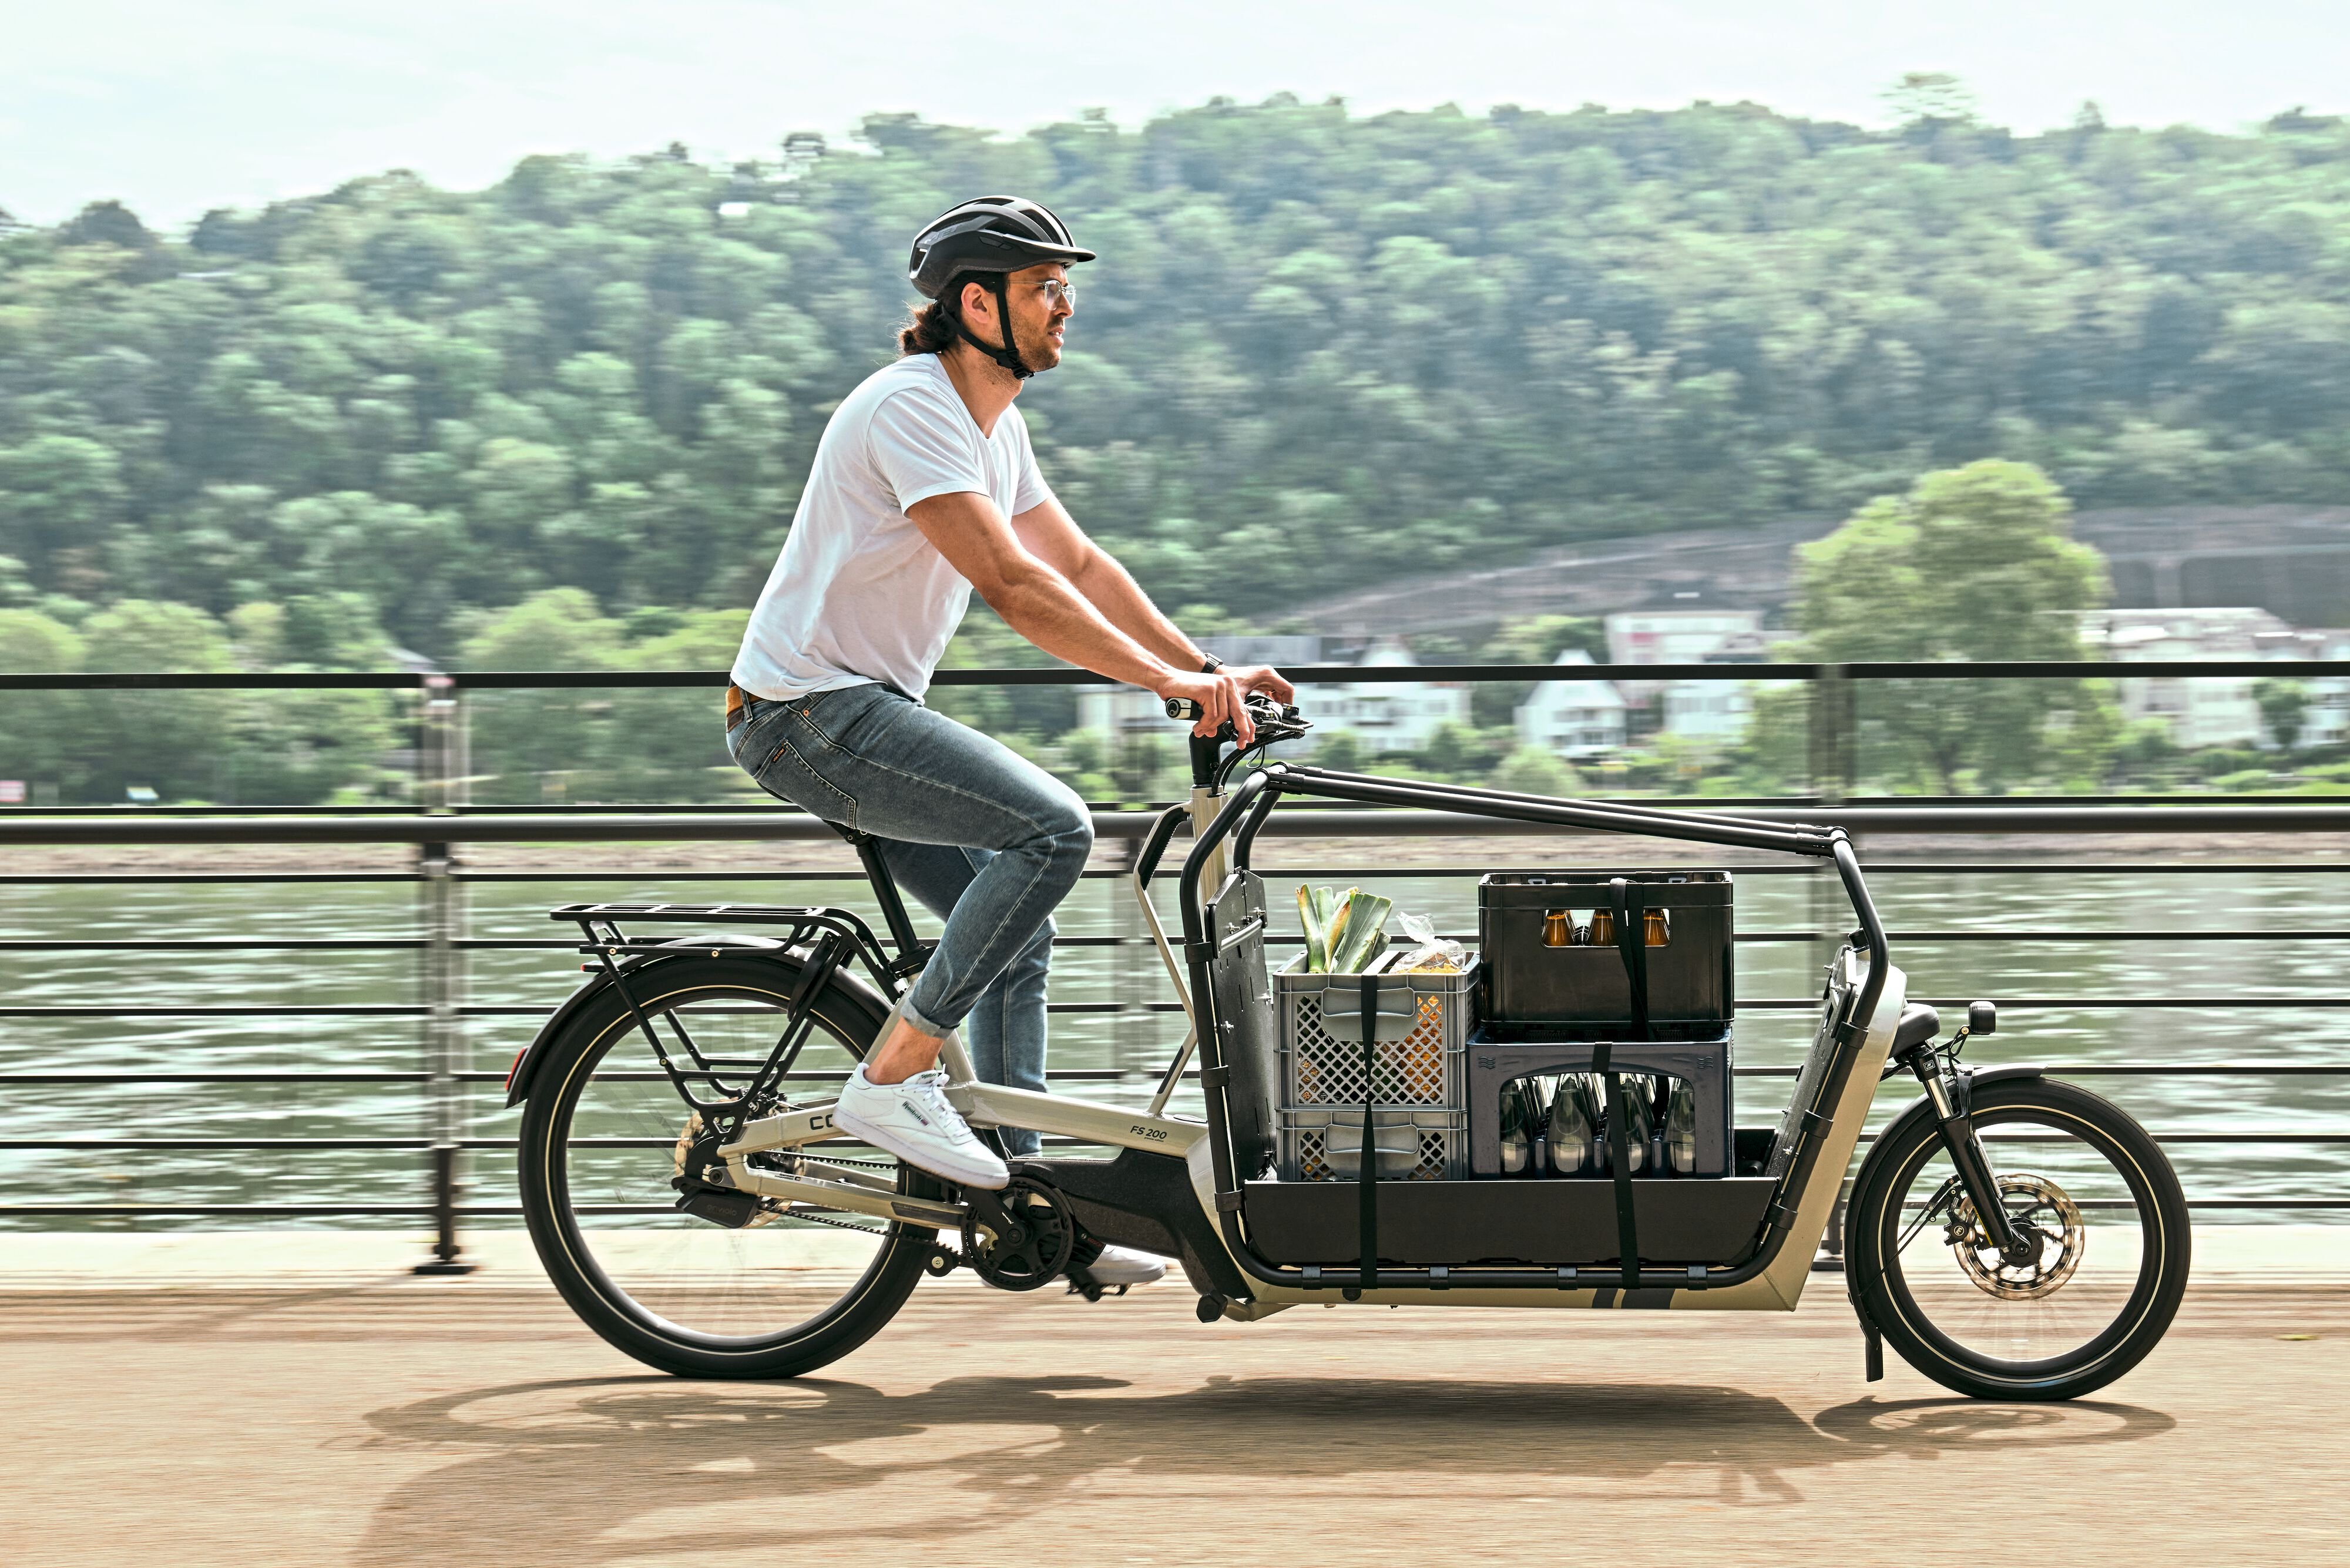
pixel 1183 707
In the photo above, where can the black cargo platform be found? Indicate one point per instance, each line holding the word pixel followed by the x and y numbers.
pixel 1549 1223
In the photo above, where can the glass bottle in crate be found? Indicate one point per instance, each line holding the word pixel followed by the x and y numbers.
pixel 1681 1128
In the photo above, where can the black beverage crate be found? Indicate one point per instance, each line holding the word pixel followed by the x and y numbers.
pixel 1690 977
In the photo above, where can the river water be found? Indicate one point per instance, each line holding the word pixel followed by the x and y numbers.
pixel 1135 1042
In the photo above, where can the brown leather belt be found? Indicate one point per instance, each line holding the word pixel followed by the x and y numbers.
pixel 738 709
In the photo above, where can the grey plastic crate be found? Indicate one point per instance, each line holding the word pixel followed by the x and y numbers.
pixel 1413 1144
pixel 1422 1030
pixel 1420 1077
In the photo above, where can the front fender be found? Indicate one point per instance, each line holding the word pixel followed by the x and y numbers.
pixel 1922 1109
pixel 527 1062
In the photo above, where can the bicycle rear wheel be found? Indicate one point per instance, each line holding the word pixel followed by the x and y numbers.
pixel 604 1132
pixel 2110 1268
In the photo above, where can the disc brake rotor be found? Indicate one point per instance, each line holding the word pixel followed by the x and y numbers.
pixel 2032 1200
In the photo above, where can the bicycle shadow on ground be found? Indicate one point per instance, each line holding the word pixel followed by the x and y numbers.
pixel 568 1471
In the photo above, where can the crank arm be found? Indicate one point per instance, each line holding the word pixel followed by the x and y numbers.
pixel 847 1198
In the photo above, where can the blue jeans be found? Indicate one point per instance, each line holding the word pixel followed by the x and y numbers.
pixel 985 838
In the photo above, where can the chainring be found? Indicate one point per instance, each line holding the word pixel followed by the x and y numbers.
pixel 2049 1210
pixel 1037 1253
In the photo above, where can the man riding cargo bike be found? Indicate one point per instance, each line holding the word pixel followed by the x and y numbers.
pixel 1549 1122
pixel 924 487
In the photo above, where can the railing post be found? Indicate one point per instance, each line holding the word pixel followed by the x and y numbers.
pixel 440 780
pixel 1833 735
pixel 1834 731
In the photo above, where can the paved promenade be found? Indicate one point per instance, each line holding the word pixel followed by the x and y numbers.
pixel 337 1417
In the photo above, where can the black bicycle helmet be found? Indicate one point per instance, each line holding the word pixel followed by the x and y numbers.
pixel 993 237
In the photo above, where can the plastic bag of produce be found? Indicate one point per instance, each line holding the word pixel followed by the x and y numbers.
pixel 1429 954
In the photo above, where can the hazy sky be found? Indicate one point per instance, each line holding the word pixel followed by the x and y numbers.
pixel 175 106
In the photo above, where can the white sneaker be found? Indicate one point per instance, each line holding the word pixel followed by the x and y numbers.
pixel 913 1121
pixel 1125 1266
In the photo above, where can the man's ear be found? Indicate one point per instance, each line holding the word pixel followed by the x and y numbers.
pixel 985 300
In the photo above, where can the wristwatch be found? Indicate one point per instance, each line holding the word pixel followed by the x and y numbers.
pixel 1212 665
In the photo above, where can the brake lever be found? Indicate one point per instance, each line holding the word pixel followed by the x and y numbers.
pixel 1273 720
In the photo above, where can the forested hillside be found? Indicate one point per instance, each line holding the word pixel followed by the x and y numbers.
pixel 1318 349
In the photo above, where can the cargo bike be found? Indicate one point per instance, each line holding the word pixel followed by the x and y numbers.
pixel 1550 1127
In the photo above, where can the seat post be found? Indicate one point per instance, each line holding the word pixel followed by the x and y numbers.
pixel 885 890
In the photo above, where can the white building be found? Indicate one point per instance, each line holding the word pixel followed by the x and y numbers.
pixel 1572 718
pixel 2327 721
pixel 1713 712
pixel 1386 717
pixel 1676 636
pixel 2205 709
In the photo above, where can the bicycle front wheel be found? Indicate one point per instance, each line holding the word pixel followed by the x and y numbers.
pixel 605 1132
pixel 2111 1260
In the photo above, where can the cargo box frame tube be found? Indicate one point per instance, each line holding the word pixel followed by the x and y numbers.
pixel 1244 811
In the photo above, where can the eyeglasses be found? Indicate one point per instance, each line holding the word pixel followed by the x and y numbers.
pixel 1057 292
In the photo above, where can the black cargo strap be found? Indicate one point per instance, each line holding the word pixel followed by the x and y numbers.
pixel 1619 1166
pixel 1632 943
pixel 1367 1179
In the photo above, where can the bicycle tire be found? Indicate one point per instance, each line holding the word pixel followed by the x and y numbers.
pixel 1882 1281
pixel 608 1306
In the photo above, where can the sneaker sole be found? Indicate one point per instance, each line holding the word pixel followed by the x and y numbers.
pixel 987 1180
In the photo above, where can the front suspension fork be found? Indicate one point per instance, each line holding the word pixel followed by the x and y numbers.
pixel 1947 1087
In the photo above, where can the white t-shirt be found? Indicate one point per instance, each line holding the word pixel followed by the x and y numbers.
pixel 858 594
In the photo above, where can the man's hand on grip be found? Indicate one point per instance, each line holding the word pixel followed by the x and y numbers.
pixel 1221 698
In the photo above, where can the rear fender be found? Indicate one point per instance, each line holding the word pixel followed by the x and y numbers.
pixel 526 1064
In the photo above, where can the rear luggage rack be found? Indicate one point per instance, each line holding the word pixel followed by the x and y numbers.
pixel 806 923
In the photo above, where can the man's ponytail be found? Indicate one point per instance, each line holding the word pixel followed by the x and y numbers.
pixel 931 330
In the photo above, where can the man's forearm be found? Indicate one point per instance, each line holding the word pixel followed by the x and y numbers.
pixel 1113 591
pixel 1050 612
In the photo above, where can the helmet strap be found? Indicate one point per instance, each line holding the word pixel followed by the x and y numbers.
pixel 1008 355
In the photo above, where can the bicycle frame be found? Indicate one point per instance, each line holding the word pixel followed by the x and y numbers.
pixel 1204 1191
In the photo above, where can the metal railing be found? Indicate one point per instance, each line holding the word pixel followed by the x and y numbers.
pixel 444 822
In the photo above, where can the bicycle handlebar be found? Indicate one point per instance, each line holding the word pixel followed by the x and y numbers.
pixel 1262 710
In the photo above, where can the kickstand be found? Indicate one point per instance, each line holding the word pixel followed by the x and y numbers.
pixel 1872 1343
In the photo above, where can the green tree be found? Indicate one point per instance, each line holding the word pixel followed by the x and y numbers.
pixel 2283 703
pixel 41 732
pixel 528 746
pixel 1974 562
pixel 668 743
pixel 1530 769
pixel 1342 751
pixel 1416 341
pixel 177 744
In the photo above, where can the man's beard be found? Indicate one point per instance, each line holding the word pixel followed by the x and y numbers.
pixel 1046 353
